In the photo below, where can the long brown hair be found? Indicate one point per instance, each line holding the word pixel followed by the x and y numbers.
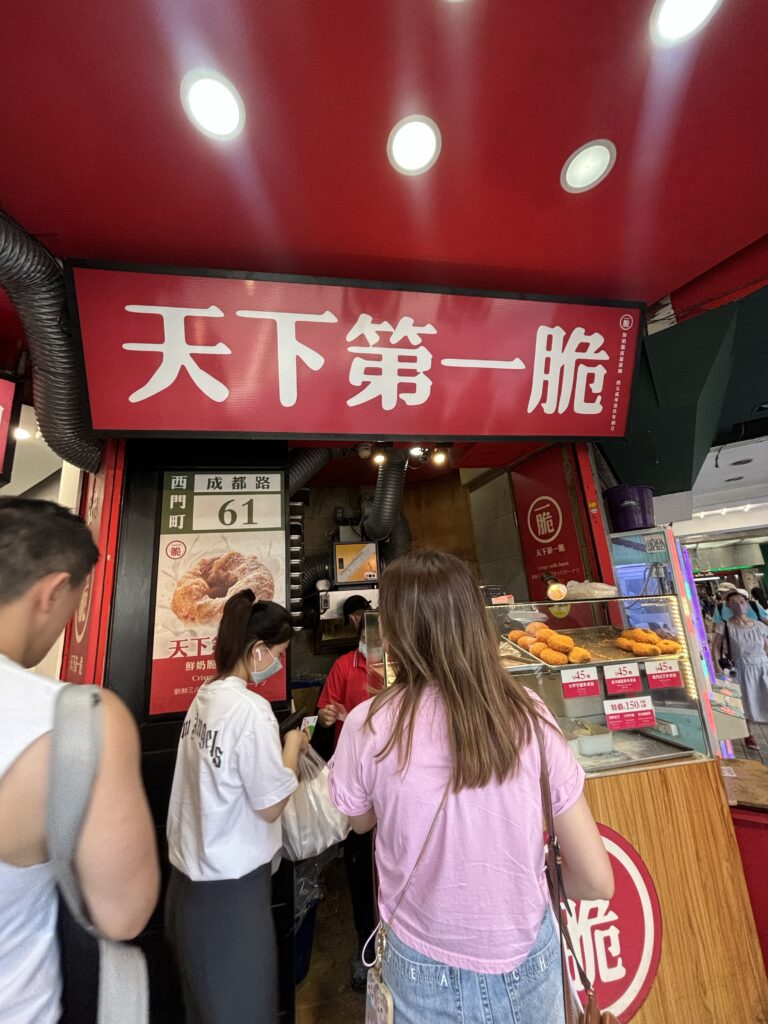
pixel 438 633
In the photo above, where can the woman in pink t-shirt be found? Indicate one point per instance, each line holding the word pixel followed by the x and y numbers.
pixel 473 939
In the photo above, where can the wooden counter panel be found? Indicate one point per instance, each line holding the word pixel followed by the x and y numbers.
pixel 677 818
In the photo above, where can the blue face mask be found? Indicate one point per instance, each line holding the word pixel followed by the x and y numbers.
pixel 363 648
pixel 259 676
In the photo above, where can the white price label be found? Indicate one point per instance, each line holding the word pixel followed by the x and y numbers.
pixel 579 675
pixel 629 713
pixel 237 512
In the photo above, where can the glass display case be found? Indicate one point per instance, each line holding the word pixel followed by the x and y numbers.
pixel 618 674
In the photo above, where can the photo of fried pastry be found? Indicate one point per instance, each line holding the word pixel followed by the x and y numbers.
pixel 201 593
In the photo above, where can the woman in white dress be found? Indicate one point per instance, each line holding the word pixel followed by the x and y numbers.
pixel 745 641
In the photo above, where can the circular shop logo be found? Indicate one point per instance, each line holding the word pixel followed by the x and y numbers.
pixel 626 322
pixel 84 610
pixel 619 940
pixel 176 549
pixel 545 519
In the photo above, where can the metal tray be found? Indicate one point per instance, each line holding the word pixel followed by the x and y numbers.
pixel 512 655
pixel 633 748
pixel 599 640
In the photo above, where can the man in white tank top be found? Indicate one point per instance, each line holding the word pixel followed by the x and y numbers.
pixel 46 554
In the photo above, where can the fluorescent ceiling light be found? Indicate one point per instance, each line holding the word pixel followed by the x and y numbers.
pixel 414 144
pixel 212 104
pixel 588 166
pixel 674 21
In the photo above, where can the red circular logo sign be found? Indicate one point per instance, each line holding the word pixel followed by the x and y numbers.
pixel 176 549
pixel 545 519
pixel 619 941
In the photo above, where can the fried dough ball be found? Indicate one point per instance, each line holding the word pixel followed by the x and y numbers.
pixel 669 646
pixel 535 627
pixel 624 644
pixel 557 642
pixel 526 641
pixel 645 650
pixel 551 657
pixel 641 636
pixel 515 634
pixel 578 655
pixel 545 634
pixel 537 648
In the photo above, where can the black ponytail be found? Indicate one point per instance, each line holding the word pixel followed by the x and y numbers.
pixel 244 623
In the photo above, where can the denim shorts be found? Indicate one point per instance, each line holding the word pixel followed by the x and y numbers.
pixel 427 992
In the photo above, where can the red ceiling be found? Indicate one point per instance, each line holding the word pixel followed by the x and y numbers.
pixel 99 160
pixel 354 471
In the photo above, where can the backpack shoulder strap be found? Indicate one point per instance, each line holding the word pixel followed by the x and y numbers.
pixel 75 756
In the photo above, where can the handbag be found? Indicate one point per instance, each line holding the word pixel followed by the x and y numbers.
pixel 592 1014
pixel 725 661
pixel 379 1006
pixel 123 990
pixel 311 823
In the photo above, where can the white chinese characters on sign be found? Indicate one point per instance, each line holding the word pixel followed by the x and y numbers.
pixel 568 375
pixel 290 349
pixel 177 354
pixel 564 372
pixel 597 941
pixel 390 373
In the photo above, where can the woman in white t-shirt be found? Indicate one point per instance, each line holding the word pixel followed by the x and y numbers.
pixel 230 787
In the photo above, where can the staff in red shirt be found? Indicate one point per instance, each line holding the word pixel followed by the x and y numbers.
pixel 347 682
pixel 345 688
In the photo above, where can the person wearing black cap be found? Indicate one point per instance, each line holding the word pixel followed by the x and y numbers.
pixel 345 688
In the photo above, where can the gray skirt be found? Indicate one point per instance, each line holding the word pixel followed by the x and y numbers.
pixel 223 939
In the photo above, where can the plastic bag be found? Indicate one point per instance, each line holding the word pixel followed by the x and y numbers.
pixel 308 887
pixel 311 824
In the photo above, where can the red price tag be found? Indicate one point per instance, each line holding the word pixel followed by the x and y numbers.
pixel 580 682
pixel 624 678
pixel 663 674
pixel 629 713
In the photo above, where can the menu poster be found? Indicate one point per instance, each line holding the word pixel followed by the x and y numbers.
pixel 220 532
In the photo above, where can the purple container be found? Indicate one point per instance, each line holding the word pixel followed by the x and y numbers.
pixel 630 508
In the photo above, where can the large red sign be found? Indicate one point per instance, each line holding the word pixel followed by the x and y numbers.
pixel 9 409
pixel 183 354
pixel 619 941
pixel 85 647
pixel 548 534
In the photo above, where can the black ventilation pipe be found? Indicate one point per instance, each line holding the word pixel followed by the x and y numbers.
pixel 314 568
pixel 382 515
pixel 35 285
pixel 399 541
pixel 304 463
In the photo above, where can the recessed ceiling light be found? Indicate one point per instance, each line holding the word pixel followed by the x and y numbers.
pixel 733 479
pixel 588 166
pixel 414 144
pixel 21 434
pixel 674 21
pixel 742 462
pixel 212 104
